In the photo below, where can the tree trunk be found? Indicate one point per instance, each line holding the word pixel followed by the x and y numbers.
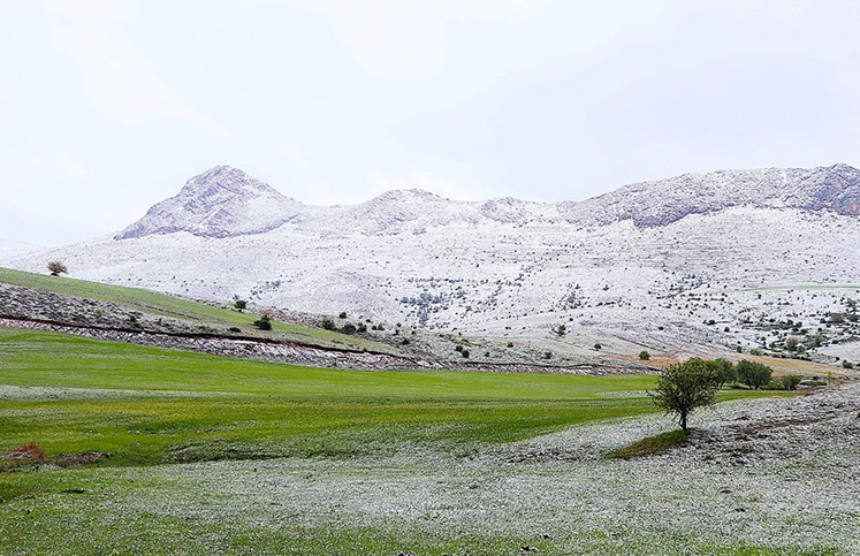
pixel 684 421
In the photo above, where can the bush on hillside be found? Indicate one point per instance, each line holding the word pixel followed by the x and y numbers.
pixel 264 322
pixel 56 268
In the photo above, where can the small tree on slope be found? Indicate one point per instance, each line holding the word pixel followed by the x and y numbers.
pixel 683 387
pixel 56 268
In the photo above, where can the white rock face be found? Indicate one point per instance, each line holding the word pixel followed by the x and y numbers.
pixel 648 265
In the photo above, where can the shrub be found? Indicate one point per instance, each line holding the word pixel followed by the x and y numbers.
pixel 598 347
pixel 847 364
pixel 342 315
pixel 349 328
pixel 560 330
pixel 328 324
pixel 56 268
pixel 264 322
pixel 465 353
pixel 240 304
pixel 547 355
pixel 362 327
pixel 510 344
pixel 644 355
pixel 790 382
pixel 235 329
pixel 405 342
pixel 755 351
pixel 459 348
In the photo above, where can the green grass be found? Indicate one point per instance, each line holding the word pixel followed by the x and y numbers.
pixel 652 445
pixel 237 408
pixel 148 406
pixel 169 306
pixel 182 406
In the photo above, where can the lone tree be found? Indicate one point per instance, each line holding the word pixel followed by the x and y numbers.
pixel 754 375
pixel 240 304
pixel 683 387
pixel 56 268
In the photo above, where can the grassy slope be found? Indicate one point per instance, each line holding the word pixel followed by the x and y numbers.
pixel 240 408
pixel 166 305
pixel 228 408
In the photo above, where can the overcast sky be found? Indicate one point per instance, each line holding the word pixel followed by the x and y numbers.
pixel 107 107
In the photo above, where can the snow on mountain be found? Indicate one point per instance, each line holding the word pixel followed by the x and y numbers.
pixel 221 202
pixel 692 260
pixel 657 203
pixel 11 249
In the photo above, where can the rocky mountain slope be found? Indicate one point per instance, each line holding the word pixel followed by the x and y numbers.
pixel 699 263
pixel 220 202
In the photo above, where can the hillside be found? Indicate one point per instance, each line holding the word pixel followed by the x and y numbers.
pixel 699 263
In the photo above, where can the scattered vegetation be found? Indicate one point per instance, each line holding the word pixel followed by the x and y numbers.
pixel 240 304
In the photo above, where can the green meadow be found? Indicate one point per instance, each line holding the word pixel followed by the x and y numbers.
pixel 169 306
pixel 159 420
pixel 148 405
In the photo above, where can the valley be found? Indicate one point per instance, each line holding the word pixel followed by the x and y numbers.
pixel 437 377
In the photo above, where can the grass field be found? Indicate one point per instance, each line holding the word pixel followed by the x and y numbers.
pixel 347 431
pixel 181 406
pixel 165 305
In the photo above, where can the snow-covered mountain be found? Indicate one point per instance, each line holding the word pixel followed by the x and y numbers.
pixel 220 202
pixel 698 259
pixel 658 203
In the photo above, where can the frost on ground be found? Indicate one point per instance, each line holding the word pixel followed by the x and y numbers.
pixel 773 473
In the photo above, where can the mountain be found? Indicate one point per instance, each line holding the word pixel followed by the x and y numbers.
pixel 658 203
pixel 226 202
pixel 221 202
pixel 695 261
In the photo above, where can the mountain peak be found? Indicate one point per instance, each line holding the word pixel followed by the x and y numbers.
pixel 220 202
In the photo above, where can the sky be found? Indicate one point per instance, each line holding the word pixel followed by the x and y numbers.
pixel 107 107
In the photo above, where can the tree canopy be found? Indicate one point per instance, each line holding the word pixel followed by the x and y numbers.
pixel 683 387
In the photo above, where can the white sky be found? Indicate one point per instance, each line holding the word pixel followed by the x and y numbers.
pixel 107 107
